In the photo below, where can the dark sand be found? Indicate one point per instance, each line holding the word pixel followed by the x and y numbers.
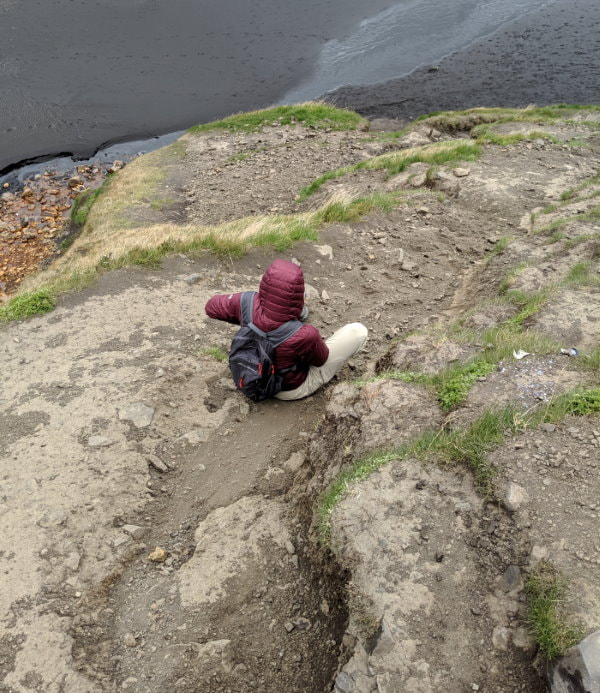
pixel 548 56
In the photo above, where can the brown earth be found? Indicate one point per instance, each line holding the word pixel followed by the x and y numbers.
pixel 424 588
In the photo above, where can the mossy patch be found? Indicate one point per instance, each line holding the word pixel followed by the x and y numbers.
pixel 311 114
pixel 27 304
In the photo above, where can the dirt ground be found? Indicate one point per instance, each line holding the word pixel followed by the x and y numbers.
pixel 158 530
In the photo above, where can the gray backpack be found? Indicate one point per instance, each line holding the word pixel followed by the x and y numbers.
pixel 252 354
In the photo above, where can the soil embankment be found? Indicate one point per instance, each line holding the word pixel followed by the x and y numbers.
pixel 161 533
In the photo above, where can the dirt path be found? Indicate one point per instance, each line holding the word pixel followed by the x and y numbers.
pixel 120 434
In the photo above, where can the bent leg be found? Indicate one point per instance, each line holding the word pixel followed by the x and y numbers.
pixel 343 344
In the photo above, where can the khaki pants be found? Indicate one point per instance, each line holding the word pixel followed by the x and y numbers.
pixel 343 344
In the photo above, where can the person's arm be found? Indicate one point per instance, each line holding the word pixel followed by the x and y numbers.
pixel 225 307
pixel 313 350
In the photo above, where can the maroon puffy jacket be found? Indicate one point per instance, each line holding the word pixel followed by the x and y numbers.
pixel 280 298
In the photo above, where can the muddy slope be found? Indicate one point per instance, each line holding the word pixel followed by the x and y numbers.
pixel 160 533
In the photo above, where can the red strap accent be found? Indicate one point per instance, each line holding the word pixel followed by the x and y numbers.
pixel 241 383
pixel 273 369
pixel 260 369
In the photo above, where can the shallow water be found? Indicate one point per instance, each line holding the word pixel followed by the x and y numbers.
pixel 76 74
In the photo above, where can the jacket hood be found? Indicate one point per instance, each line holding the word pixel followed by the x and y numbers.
pixel 281 292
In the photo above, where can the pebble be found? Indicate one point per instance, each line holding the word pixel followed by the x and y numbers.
pixel 289 547
pixel 289 626
pixel 134 531
pixel 129 640
pixel 99 441
pixel 302 623
pixel 461 172
pixel 138 413
pixel 72 561
pixel 193 279
pixel 515 497
pixel 548 427
pixel 324 295
pixel 159 555
pixel 157 463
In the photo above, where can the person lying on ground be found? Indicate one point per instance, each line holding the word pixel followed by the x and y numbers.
pixel 305 359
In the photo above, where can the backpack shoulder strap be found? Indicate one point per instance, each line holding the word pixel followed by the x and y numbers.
pixel 246 303
pixel 283 332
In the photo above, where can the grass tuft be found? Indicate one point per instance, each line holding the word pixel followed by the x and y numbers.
pixel 26 305
pixel 216 353
pixel 583 273
pixel 83 203
pixel 311 114
pixel 397 162
pixel 546 592
pixel 469 446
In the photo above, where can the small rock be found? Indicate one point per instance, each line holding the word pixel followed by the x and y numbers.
pixel 538 553
pixel 159 555
pixel 244 408
pixel 99 442
pixel 74 182
pixel 511 578
pixel 423 211
pixel 134 531
pixel 129 683
pixel 344 683
pixel 72 561
pixel 500 638
pixel 27 192
pixel 157 463
pixel 160 373
pixel 461 172
pixel 52 518
pixel 324 295
pixel 548 427
pixel 289 547
pixel 325 250
pixel 310 292
pixel 193 279
pixel 301 623
pixel 578 671
pixel 289 626
pixel 196 437
pixel 138 413
pixel 129 640
pixel 515 496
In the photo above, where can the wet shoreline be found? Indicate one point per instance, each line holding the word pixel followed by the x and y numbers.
pixel 547 57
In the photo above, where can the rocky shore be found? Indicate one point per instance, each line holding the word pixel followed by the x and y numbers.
pixel 35 220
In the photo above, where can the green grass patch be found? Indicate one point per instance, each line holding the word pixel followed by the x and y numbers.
pixel 582 274
pixel 486 135
pixel 26 305
pixel 452 385
pixel 498 248
pixel 84 201
pixel 457 383
pixel 468 118
pixel 592 215
pixel 397 162
pixel 315 115
pixel 546 593
pixel 469 446
pixel 216 353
